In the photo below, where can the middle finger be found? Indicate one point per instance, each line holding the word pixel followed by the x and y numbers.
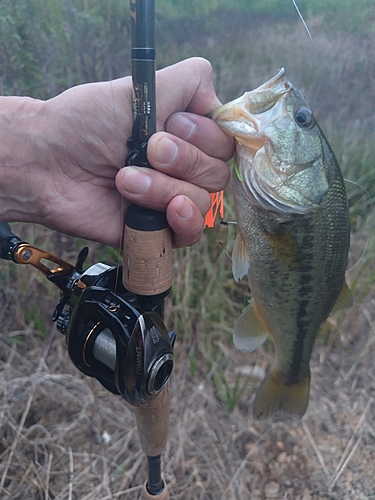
pixel 203 132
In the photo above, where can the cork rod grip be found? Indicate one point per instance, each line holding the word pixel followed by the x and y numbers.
pixel 147 261
pixel 147 257
pixel 153 422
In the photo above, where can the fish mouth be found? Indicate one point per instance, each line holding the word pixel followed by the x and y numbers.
pixel 241 117
pixel 233 116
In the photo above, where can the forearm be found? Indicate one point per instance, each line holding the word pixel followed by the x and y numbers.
pixel 21 159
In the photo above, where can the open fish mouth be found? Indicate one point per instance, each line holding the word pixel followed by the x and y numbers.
pixel 234 115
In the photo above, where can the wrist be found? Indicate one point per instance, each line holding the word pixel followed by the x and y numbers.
pixel 21 160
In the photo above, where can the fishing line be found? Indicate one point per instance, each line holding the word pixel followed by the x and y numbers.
pixel 315 51
pixel 314 101
pixel 360 187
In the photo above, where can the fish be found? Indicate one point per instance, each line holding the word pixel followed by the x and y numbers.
pixel 293 233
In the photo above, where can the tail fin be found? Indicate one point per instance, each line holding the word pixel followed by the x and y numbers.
pixel 275 396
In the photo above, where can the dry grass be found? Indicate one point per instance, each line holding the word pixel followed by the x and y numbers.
pixel 63 436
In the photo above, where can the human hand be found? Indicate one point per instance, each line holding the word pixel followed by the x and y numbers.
pixel 85 131
pixel 188 155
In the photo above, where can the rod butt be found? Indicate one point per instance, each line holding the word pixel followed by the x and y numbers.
pixel 163 495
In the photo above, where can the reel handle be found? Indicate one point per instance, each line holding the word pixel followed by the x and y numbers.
pixel 8 242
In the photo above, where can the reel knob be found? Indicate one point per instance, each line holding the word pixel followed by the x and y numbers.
pixel 63 322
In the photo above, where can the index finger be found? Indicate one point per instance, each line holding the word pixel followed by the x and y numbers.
pixel 203 133
pixel 185 86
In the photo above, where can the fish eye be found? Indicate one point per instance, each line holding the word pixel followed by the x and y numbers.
pixel 303 117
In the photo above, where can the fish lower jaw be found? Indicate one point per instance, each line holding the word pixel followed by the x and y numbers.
pixel 243 131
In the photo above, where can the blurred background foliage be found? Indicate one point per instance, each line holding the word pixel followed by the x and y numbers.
pixel 47 46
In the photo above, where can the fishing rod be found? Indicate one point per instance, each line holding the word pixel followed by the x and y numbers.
pixel 112 316
pixel 147 248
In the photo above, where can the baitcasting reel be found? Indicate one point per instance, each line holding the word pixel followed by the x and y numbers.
pixel 108 335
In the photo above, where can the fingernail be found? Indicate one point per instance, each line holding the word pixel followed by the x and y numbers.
pixel 166 151
pixel 185 210
pixel 182 126
pixel 135 181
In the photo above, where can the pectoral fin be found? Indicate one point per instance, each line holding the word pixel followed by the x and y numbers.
pixel 249 329
pixel 345 299
pixel 240 258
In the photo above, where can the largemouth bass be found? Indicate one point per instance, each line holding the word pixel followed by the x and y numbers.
pixel 293 234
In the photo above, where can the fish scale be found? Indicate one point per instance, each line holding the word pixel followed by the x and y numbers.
pixel 293 235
